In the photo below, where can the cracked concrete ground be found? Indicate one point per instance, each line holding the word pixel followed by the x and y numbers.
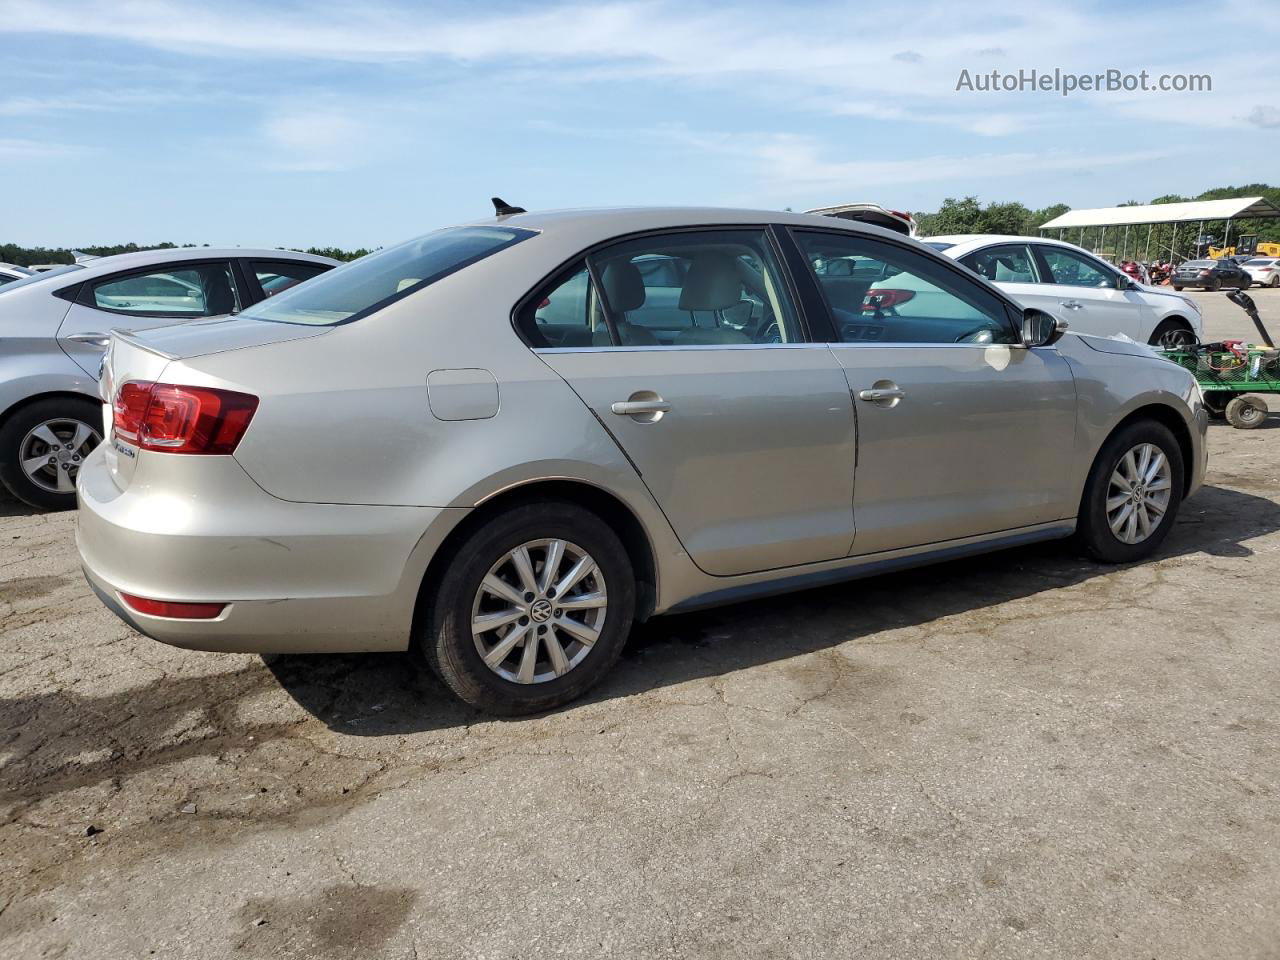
pixel 1023 755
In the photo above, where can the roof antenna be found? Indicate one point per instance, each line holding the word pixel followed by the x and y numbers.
pixel 503 209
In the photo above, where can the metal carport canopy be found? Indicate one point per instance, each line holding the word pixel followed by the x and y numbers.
pixel 1248 208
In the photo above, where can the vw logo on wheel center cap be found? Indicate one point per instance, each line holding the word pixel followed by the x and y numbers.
pixel 540 612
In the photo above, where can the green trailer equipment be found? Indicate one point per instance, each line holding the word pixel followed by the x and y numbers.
pixel 1235 376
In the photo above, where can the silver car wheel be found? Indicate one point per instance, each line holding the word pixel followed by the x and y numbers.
pixel 51 453
pixel 1139 492
pixel 539 611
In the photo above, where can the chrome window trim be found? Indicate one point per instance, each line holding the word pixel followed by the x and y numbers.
pixel 858 344
pixel 642 348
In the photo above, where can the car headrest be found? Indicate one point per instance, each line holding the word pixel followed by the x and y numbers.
pixel 623 286
pixel 712 283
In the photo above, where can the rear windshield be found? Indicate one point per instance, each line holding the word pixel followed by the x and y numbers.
pixel 364 286
pixel 938 245
pixel 37 277
pixel 1259 262
pixel 1200 263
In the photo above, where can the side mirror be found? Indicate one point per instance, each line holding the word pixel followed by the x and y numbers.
pixel 1125 283
pixel 1040 329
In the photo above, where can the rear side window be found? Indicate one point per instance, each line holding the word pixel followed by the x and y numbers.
pixel 365 286
pixel 691 288
pixel 196 290
pixel 277 276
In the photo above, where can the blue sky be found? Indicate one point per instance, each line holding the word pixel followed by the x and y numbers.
pixel 299 124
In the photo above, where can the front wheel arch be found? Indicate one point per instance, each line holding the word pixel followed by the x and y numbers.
pixel 1171 419
pixel 1168 324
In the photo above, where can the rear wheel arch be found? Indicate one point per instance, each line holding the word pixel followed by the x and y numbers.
pixel 614 512
pixel 14 408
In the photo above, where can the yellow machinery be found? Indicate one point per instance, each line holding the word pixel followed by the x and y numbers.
pixel 1253 249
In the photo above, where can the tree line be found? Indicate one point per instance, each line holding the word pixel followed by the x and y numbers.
pixel 966 215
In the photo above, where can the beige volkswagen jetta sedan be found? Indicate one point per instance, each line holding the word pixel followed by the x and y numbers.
pixel 502 443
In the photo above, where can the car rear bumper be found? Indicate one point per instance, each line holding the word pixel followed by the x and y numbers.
pixel 296 578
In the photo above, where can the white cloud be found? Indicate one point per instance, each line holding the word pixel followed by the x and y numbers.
pixel 794 165
pixel 315 140
pixel 19 149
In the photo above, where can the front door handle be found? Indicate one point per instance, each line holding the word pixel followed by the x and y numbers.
pixel 1073 304
pixel 629 408
pixel 881 393
pixel 643 406
pixel 92 339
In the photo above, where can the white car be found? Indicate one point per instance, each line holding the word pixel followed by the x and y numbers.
pixel 11 271
pixel 1265 271
pixel 1091 295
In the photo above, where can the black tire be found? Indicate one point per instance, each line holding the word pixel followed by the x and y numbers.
pixel 1247 412
pixel 1275 281
pixel 14 437
pixel 1213 286
pixel 449 646
pixel 1246 283
pixel 1093 532
pixel 1179 289
pixel 1172 328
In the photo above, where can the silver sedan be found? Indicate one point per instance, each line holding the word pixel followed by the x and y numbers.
pixel 503 443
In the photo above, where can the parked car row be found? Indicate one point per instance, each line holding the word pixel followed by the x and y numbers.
pixel 503 443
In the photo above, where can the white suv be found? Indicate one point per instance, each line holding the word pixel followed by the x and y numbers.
pixel 1067 281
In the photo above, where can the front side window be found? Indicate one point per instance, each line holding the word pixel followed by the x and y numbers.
pixel 884 293
pixel 277 276
pixel 685 289
pixel 366 285
pixel 1073 270
pixel 195 290
pixel 1010 263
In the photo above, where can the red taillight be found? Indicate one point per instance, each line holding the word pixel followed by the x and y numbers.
pixel 884 299
pixel 177 611
pixel 175 419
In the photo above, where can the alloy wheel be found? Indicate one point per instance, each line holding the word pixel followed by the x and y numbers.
pixel 51 453
pixel 539 611
pixel 1176 338
pixel 1138 494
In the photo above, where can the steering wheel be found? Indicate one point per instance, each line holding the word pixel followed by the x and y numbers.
pixel 977 335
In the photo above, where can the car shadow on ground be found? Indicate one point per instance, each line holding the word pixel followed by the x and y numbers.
pixel 10 507
pixel 59 739
pixel 390 694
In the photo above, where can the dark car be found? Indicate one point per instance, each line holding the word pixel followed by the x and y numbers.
pixel 1210 275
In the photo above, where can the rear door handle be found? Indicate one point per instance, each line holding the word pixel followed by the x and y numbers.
pixel 881 393
pixel 92 339
pixel 629 408
pixel 1073 304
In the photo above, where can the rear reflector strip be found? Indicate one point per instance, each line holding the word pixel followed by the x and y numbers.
pixel 176 611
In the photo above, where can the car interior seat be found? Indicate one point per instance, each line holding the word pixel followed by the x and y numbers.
pixel 219 298
pixel 712 284
pixel 624 292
